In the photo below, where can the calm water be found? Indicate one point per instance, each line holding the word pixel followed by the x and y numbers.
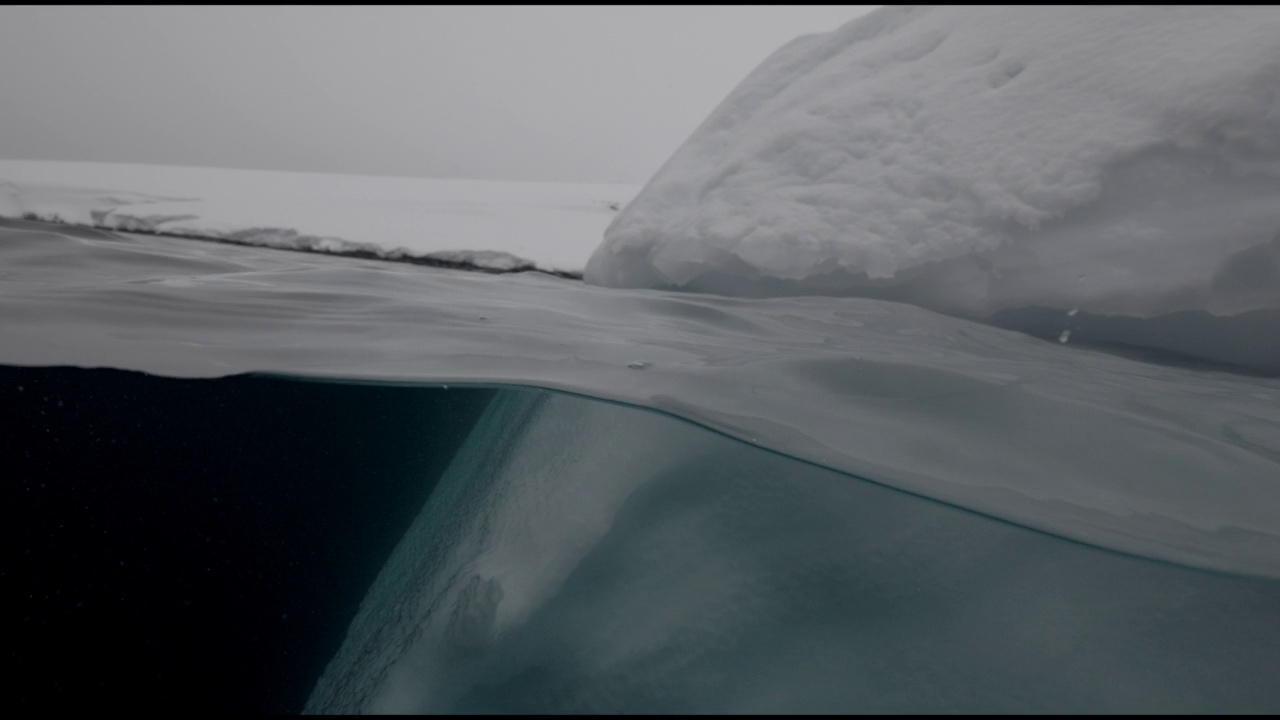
pixel 710 504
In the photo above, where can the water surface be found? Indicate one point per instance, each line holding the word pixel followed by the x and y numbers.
pixel 668 502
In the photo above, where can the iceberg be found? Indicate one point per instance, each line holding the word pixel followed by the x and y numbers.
pixel 1123 162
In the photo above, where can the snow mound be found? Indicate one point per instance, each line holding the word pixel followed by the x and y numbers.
pixel 1122 161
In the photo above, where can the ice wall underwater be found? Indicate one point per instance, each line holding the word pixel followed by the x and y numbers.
pixel 581 556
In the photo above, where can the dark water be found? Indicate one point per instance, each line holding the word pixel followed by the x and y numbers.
pixel 199 545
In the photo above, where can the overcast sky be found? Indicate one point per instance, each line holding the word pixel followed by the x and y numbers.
pixel 521 93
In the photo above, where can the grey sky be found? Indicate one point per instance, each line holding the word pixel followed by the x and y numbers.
pixel 521 93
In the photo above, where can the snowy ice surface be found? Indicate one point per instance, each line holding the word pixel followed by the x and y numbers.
pixel 1119 160
pixel 491 224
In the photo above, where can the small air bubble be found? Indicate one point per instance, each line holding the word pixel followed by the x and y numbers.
pixel 1072 312
pixel 638 365
pixel 1065 336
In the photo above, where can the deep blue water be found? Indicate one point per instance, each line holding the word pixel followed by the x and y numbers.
pixel 345 485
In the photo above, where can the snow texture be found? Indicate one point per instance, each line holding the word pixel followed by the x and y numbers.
pixel 1119 160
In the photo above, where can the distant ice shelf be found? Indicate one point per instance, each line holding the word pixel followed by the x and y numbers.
pixel 494 226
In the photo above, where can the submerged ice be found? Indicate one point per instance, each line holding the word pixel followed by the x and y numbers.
pixel 580 556
pixel 1123 161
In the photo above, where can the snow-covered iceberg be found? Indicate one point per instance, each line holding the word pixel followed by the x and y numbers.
pixel 1123 161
